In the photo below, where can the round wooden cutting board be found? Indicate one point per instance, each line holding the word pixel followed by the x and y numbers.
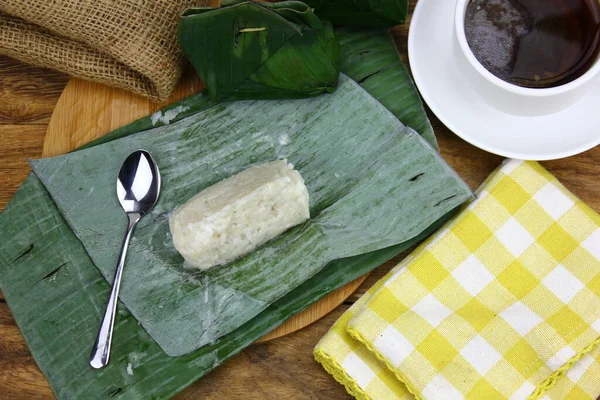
pixel 87 110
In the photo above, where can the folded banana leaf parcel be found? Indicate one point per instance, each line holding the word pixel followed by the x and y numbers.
pixel 376 187
pixel 357 162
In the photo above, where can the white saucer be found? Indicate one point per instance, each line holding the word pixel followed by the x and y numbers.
pixel 455 102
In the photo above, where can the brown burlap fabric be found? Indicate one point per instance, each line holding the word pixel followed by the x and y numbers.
pixel 131 44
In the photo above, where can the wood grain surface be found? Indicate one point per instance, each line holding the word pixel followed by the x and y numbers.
pixel 279 369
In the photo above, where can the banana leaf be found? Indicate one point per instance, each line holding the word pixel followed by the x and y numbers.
pixel 352 153
pixel 247 50
pixel 369 57
pixel 363 13
pixel 57 297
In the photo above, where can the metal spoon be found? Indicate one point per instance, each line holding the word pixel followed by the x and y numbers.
pixel 138 187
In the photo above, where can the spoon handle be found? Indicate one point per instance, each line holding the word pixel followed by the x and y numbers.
pixel 101 351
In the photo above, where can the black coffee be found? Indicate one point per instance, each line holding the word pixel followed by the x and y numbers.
pixel 534 43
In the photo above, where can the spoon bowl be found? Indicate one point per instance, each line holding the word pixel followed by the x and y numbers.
pixel 138 184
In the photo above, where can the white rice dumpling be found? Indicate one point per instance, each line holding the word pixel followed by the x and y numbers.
pixel 235 216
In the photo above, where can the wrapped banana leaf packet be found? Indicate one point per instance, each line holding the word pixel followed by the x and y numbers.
pixel 283 84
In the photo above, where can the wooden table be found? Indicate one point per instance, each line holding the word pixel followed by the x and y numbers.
pixel 280 369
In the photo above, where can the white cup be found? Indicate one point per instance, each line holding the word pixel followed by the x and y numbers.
pixel 506 96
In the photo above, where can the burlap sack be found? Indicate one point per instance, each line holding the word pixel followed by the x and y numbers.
pixel 131 44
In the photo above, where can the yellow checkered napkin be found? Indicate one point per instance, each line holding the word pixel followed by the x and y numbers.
pixel 502 303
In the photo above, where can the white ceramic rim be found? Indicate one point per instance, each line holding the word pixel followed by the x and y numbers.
pixel 433 105
pixel 459 23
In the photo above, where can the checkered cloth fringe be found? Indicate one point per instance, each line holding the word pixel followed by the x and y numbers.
pixel 502 303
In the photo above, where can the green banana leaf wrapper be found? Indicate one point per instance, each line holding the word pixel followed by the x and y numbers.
pixel 250 50
pixel 352 153
pixel 44 270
